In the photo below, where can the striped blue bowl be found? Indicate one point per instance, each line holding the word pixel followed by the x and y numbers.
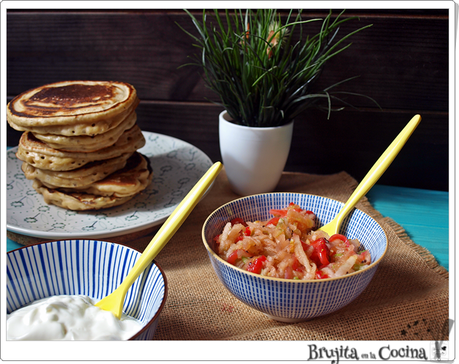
pixel 85 267
pixel 294 300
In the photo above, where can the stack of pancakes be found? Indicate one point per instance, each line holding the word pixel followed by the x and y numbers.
pixel 79 143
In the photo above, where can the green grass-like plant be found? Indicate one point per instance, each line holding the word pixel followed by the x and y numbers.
pixel 261 72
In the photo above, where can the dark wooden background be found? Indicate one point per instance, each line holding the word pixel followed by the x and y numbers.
pixel 402 61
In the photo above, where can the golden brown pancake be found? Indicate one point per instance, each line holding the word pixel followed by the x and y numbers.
pixel 130 180
pixel 40 155
pixel 98 126
pixel 84 143
pixel 133 174
pixel 80 177
pixel 80 141
pixel 71 102
pixel 78 201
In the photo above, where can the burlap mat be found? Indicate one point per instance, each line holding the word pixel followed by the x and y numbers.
pixel 406 300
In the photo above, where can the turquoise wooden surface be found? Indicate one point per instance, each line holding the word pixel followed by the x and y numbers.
pixel 424 215
pixel 10 245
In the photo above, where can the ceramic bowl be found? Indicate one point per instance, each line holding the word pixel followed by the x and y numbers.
pixel 294 300
pixel 85 267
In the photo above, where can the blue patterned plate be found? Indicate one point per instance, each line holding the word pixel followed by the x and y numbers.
pixel 291 300
pixel 177 166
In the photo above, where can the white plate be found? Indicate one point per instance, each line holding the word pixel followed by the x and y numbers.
pixel 177 166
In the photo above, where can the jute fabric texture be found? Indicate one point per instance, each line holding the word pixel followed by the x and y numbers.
pixel 406 300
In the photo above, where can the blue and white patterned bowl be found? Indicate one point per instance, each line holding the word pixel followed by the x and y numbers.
pixel 294 300
pixel 85 267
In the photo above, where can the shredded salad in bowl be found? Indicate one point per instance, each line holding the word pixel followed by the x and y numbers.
pixel 290 246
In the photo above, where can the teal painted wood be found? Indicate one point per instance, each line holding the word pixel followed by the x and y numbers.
pixel 11 245
pixel 424 214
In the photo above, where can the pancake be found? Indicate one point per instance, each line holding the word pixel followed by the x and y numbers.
pixel 80 177
pixel 40 155
pixel 71 102
pixel 86 200
pixel 80 142
pixel 99 126
pixel 78 201
pixel 130 180
pixel 83 143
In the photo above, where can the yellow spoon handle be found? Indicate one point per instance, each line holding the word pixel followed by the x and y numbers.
pixel 114 301
pixel 378 168
pixel 172 224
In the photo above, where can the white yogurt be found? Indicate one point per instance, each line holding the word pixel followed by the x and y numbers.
pixel 68 317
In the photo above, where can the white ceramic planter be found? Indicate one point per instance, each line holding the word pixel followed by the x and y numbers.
pixel 254 158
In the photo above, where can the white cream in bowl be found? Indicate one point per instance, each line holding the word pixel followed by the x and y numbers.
pixel 68 317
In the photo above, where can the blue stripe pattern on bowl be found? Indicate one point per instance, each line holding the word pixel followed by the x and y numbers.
pixel 293 300
pixel 83 267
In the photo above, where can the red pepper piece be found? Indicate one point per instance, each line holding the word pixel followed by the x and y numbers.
pixel 321 253
pixel 246 232
pixel 339 237
pixel 296 265
pixel 364 257
pixel 283 212
pixel 232 257
pixel 320 275
pixel 276 212
pixel 273 221
pixel 256 265
pixel 315 258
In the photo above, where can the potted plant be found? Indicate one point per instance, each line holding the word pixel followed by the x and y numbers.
pixel 263 69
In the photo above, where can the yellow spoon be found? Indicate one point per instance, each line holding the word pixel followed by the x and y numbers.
pixel 373 175
pixel 114 301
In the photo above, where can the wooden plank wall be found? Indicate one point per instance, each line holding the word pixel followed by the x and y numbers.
pixel 402 61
